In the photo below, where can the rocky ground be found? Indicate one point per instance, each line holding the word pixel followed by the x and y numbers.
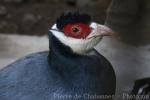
pixel 130 62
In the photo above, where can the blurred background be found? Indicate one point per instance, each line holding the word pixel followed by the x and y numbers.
pixel 34 17
pixel 24 26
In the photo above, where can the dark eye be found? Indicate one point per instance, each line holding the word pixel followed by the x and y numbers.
pixel 76 29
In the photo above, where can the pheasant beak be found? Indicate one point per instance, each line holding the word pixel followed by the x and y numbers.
pixel 99 30
pixel 103 30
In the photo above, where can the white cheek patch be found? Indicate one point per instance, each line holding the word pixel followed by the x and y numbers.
pixel 54 26
pixel 93 25
pixel 77 45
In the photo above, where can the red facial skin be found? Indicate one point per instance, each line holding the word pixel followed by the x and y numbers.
pixel 77 30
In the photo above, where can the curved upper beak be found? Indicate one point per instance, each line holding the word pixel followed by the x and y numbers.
pixel 103 30
pixel 100 30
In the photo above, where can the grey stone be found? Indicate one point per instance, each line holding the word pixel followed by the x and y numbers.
pixel 18 1
pixel 3 24
pixel 92 3
pixel 7 0
pixel 14 1
pixel 6 27
pixel 82 3
pixel 29 18
pixel 29 21
pixel 3 10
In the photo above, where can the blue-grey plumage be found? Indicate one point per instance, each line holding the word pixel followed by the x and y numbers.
pixel 60 74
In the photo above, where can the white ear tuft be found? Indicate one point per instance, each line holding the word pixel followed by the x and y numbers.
pixel 54 27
